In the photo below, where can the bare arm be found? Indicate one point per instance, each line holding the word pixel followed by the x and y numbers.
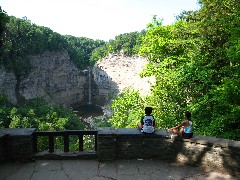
pixel 180 125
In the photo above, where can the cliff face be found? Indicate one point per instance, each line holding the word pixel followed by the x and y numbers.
pixel 117 72
pixel 54 77
pixel 8 83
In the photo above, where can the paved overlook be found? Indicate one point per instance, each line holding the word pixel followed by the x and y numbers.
pixel 138 169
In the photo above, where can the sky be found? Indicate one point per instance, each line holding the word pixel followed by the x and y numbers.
pixel 96 19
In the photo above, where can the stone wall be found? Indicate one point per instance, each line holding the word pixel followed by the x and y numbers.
pixel 209 152
pixel 2 146
pixel 16 144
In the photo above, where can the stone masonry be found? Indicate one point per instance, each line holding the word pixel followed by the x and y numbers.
pixel 201 151
pixel 209 152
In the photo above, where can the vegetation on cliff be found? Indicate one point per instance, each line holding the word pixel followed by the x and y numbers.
pixel 196 65
pixel 127 44
pixel 20 39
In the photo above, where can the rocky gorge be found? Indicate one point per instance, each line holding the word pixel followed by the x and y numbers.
pixel 55 78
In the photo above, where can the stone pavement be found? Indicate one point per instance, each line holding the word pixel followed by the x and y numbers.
pixel 138 169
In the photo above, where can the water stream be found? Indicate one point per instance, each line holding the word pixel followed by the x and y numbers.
pixel 89 109
pixel 89 86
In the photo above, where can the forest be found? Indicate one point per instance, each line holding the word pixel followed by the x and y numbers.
pixel 195 62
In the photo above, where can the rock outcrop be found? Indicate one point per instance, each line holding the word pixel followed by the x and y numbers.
pixel 8 83
pixel 53 77
pixel 118 72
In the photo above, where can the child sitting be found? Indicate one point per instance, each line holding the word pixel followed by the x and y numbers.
pixel 147 124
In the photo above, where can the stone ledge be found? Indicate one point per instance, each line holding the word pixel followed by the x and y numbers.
pixel 161 133
pixel 17 131
pixel 207 152
pixel 17 143
pixel 59 155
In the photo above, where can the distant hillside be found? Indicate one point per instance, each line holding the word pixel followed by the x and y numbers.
pixel 21 39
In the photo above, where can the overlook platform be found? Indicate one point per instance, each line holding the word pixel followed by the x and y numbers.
pixel 123 153
pixel 141 169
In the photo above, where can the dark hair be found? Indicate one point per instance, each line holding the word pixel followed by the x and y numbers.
pixel 148 110
pixel 188 115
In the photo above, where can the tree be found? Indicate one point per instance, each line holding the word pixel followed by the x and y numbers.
pixel 128 109
pixel 194 63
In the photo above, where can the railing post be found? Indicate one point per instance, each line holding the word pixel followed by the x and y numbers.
pixel 34 143
pixel 65 134
pixel 96 142
pixel 66 142
pixel 80 142
pixel 51 143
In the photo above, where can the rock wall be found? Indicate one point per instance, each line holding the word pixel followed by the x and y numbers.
pixel 8 83
pixel 54 77
pixel 118 72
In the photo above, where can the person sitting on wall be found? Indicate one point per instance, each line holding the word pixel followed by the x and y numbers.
pixel 186 128
pixel 147 124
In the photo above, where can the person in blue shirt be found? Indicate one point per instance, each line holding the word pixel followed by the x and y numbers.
pixel 185 129
pixel 147 124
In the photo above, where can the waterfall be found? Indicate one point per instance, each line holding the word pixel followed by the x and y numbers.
pixel 89 86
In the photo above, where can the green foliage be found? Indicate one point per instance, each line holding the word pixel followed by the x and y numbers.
pixel 98 53
pixel 101 122
pixel 36 113
pixel 127 43
pixel 5 108
pixel 80 50
pixel 196 65
pixel 128 109
pixel 3 21
pixel 21 39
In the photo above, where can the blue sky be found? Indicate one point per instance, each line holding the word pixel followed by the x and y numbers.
pixel 96 19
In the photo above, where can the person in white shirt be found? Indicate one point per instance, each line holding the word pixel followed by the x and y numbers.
pixel 147 124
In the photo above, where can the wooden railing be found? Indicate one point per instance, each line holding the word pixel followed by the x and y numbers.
pixel 65 134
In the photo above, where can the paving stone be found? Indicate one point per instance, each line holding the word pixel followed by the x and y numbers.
pixel 146 167
pixel 80 169
pixel 23 171
pixel 48 165
pixel 112 170
pixel 161 175
pixel 99 178
pixel 50 174
pixel 107 169
pixel 16 170
pixel 132 177
pixel 180 171
pixel 127 167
